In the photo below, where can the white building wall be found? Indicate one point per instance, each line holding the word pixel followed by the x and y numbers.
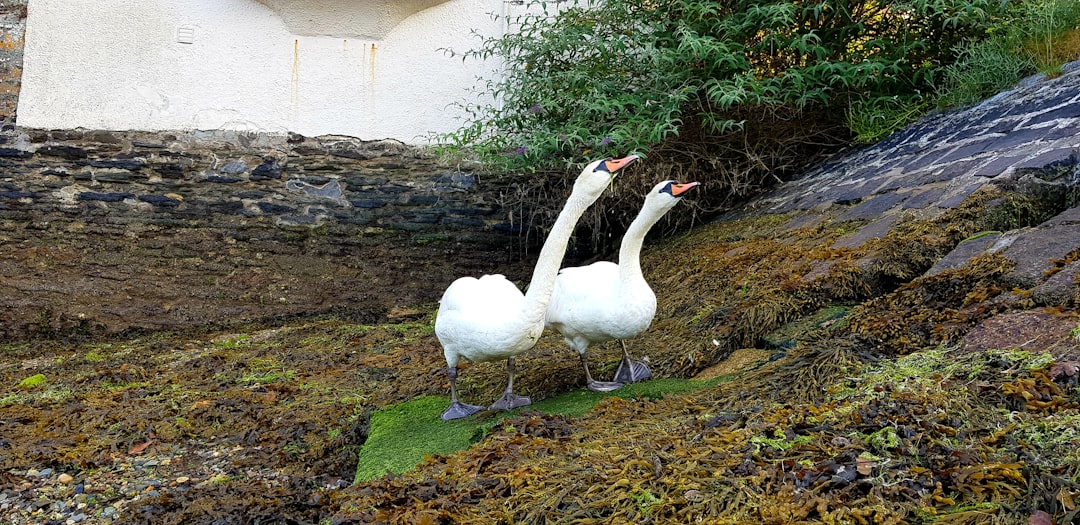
pixel 118 65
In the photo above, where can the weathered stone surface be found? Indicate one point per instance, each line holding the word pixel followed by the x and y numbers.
pixel 1039 329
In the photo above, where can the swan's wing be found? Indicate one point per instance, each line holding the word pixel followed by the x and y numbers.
pixel 489 292
pixel 480 319
pixel 582 288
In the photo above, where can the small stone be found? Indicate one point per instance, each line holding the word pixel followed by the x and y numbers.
pixel 183 479
pixel 65 478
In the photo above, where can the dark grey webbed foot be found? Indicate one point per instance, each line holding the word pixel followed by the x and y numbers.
pixel 459 410
pixel 631 371
pixel 510 401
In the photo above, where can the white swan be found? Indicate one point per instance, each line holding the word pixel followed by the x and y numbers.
pixel 604 301
pixel 487 319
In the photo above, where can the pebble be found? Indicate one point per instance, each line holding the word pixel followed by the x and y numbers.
pixel 65 478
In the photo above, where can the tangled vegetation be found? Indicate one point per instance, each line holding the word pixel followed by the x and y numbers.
pixel 738 94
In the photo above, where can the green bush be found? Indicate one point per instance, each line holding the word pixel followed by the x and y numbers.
pixel 875 119
pixel 627 76
pixel 983 69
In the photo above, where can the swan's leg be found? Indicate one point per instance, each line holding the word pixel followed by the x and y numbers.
pixel 457 409
pixel 630 370
pixel 592 384
pixel 509 399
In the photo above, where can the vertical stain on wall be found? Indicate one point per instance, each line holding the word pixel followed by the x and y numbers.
pixel 372 64
pixel 296 78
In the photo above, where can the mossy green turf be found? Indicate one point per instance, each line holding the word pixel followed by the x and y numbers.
pixel 402 435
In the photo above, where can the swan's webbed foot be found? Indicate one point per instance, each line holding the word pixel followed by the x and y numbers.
pixel 459 410
pixel 631 371
pixel 510 401
pixel 602 386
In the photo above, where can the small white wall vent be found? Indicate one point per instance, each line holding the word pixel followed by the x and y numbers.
pixel 185 34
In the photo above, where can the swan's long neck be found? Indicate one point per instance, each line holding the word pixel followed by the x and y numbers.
pixel 551 255
pixel 630 249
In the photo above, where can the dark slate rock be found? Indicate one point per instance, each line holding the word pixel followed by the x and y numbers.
pixel 963 252
pixel 392 166
pixel 463 221
pixel 123 164
pixel 1015 139
pixel 117 178
pixel 997 166
pixel 1066 111
pixel 235 167
pixel 1034 251
pixel 394 188
pixel 924 198
pixel 254 194
pixel 875 230
pixel 848 194
pixel 17 195
pixel 964 152
pixel 104 197
pixel 368 203
pixel 270 208
pixel 956 169
pixel 350 153
pixel 305 151
pixel 959 198
pixel 299 220
pixel 422 200
pixel 62 151
pixel 1058 289
pixel 360 181
pixel 1049 158
pixel 223 179
pixel 15 153
pixel 270 169
pixel 160 200
pixel 170 170
pixel 456 180
pixel 873 207
pixel 471 212
pixel 145 144
pixel 224 208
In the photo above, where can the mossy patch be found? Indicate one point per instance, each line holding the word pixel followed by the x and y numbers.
pixel 33 381
pixel 402 435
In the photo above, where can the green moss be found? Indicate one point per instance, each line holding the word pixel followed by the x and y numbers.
pixel 402 435
pixel 32 381
pixel 980 235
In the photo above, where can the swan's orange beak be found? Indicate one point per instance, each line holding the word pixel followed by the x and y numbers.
pixel 678 189
pixel 618 164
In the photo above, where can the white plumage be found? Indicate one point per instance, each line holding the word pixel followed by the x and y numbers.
pixel 488 319
pixel 605 301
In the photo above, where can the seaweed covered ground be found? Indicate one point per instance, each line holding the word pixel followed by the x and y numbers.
pixel 809 379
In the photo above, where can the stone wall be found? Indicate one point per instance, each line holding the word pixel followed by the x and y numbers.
pixel 230 178
pixel 106 232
